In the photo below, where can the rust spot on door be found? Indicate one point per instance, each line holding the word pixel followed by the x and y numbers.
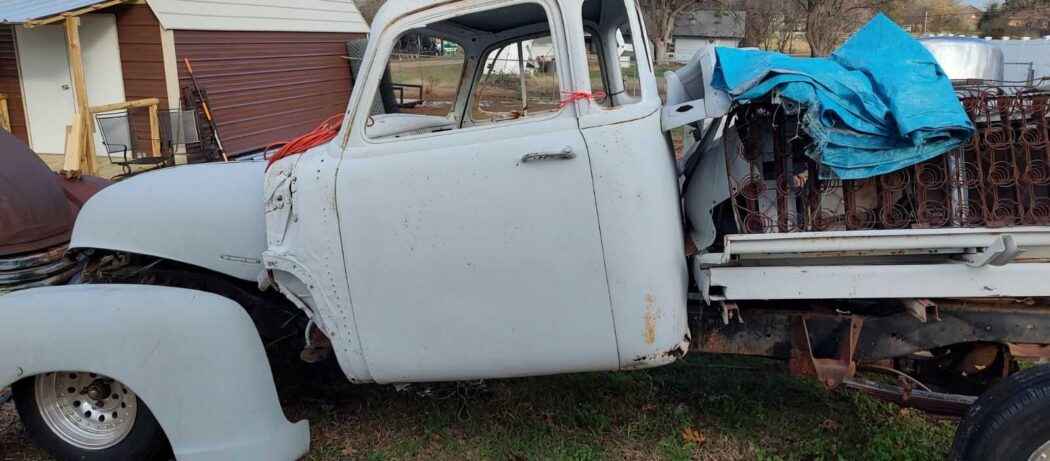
pixel 651 314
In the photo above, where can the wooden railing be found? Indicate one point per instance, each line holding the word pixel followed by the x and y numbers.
pixel 154 123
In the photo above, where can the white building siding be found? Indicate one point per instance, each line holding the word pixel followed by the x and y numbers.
pixel 260 15
pixel 686 47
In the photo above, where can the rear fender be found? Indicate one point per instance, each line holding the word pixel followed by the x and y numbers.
pixel 195 358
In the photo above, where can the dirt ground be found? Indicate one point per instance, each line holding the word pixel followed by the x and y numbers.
pixel 14 445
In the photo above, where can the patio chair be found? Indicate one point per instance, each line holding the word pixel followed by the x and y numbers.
pixel 119 136
pixel 178 128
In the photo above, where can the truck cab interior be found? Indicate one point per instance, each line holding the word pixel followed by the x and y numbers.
pixel 496 66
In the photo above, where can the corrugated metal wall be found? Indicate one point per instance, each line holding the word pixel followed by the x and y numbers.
pixel 9 84
pixel 267 86
pixel 141 55
pixel 142 63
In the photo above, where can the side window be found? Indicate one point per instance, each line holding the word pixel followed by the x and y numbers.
pixel 611 54
pixel 502 58
pixel 419 88
pixel 425 74
pixel 518 79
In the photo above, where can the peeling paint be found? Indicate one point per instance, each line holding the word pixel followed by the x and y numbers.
pixel 676 352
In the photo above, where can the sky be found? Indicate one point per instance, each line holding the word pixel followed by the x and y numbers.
pixel 979 3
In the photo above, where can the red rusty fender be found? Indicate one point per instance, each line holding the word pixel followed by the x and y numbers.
pixel 38 207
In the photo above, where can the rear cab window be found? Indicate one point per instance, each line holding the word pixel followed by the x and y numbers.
pixel 612 59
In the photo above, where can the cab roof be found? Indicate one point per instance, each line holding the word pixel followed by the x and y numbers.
pixel 522 15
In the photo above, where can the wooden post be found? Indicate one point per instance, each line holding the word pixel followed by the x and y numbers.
pixel 5 116
pixel 72 165
pixel 154 131
pixel 86 150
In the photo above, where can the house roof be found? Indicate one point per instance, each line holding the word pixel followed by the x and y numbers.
pixel 245 15
pixel 260 15
pixel 19 11
pixel 710 23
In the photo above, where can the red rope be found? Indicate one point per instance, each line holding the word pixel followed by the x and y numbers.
pixel 325 132
pixel 580 95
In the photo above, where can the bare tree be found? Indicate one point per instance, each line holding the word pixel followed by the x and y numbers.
pixel 659 20
pixel 761 22
pixel 770 25
pixel 1016 18
pixel 369 8
pixel 789 23
pixel 934 16
pixel 828 22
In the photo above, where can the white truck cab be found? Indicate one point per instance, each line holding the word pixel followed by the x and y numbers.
pixel 521 230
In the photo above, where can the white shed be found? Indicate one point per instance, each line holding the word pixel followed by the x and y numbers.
pixel 700 29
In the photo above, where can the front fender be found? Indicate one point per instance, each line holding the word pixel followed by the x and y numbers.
pixel 208 215
pixel 195 358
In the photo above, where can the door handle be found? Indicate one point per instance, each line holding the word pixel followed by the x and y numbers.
pixel 565 154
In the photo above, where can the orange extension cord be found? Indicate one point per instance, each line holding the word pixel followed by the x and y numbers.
pixel 325 132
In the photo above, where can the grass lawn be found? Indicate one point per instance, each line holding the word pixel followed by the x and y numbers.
pixel 706 407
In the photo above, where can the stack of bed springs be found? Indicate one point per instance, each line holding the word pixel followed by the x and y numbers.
pixel 1000 178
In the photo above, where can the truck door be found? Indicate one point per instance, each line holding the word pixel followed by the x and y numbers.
pixel 469 224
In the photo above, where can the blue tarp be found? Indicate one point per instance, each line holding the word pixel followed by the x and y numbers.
pixel 877 104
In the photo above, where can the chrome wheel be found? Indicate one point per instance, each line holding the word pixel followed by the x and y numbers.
pixel 1042 453
pixel 86 410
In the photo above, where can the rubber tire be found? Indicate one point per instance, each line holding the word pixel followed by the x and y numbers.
pixel 1009 422
pixel 146 441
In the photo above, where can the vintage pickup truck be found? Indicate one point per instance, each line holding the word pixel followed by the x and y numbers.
pixel 529 217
